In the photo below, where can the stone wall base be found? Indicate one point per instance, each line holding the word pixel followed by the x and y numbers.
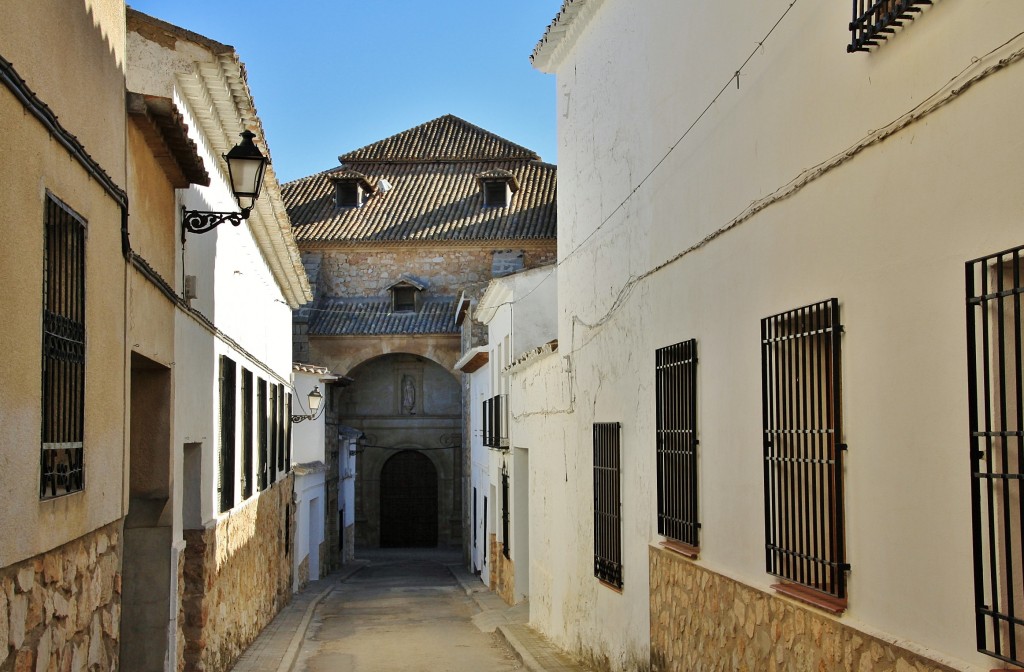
pixel 61 610
pixel 237 577
pixel 701 620
pixel 503 572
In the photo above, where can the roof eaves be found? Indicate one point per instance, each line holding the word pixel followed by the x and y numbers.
pixel 562 32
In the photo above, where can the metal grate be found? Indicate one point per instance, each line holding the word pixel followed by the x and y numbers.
pixel 505 546
pixel 247 436
pixel 803 467
pixel 676 430
pixel 261 430
pixel 995 373
pixel 62 469
pixel 607 505
pixel 495 417
pixel 226 473
pixel 875 20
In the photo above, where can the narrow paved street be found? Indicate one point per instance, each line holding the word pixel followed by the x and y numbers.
pixel 404 611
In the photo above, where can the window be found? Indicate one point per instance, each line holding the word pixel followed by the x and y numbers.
pixel 505 505
pixel 803 467
pixel 607 523
pixel 676 430
pixel 995 374
pixel 495 419
pixel 349 194
pixel 279 426
pixel 62 469
pixel 226 473
pixel 261 427
pixel 875 20
pixel 288 433
pixel 272 435
pixel 403 299
pixel 247 435
pixel 495 193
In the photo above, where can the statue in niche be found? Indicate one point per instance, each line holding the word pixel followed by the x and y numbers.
pixel 408 395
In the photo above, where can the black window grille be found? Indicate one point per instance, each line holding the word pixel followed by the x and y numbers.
pixel 875 20
pixel 62 469
pixel 505 545
pixel 803 450
pixel 676 430
pixel 279 426
pixel 262 479
pixel 247 433
pixel 607 505
pixel 272 435
pixel 995 373
pixel 226 473
pixel 495 419
pixel 288 433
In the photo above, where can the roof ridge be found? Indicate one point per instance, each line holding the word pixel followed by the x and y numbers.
pixel 446 138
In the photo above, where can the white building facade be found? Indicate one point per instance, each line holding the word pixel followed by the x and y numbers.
pixel 776 438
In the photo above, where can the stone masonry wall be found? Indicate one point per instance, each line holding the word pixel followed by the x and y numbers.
pixel 503 572
pixel 61 610
pixel 704 621
pixel 369 272
pixel 237 576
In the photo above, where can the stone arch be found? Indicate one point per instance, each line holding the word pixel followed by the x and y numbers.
pixel 344 354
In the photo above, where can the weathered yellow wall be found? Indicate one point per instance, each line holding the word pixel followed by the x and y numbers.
pixel 77 71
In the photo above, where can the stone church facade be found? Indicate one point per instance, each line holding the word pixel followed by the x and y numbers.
pixel 398 241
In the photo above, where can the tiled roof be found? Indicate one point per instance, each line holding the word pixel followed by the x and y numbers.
pixel 434 193
pixel 446 138
pixel 428 201
pixel 351 317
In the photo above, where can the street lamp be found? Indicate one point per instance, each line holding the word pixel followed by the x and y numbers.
pixel 246 166
pixel 315 399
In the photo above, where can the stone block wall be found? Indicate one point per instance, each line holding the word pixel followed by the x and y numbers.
pixel 61 610
pixel 704 621
pixel 503 572
pixel 368 272
pixel 237 577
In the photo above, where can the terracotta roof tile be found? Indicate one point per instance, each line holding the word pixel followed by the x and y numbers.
pixel 446 138
pixel 349 317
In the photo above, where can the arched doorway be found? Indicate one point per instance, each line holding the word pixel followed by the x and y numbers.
pixel 408 501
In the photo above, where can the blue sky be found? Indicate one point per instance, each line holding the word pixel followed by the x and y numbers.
pixel 329 76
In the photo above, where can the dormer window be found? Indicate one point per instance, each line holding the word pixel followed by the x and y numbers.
pixel 497 187
pixel 405 294
pixel 351 189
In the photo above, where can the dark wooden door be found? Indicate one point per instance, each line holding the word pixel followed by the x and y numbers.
pixel 408 501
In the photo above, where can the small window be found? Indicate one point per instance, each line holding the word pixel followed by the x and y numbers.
pixel 995 445
pixel 803 452
pixel 607 503
pixel 495 194
pixel 226 474
pixel 349 194
pixel 262 480
pixel 403 299
pixel 63 364
pixel 247 433
pixel 676 432
pixel 874 21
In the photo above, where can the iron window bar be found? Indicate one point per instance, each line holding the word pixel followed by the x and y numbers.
pixel 875 20
pixel 61 458
pixel 607 505
pixel 995 373
pixel 505 546
pixel 676 431
pixel 495 420
pixel 801 359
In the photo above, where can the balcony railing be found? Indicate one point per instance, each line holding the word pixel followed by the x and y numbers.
pixel 875 20
pixel 496 421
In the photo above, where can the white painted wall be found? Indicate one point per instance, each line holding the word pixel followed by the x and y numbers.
pixel 887 232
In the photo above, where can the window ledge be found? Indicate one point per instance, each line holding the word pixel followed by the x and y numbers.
pixel 686 550
pixel 610 586
pixel 813 597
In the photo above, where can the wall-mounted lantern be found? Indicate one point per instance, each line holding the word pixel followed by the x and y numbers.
pixel 315 400
pixel 246 166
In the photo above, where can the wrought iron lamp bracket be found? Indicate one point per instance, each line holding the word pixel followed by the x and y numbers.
pixel 201 221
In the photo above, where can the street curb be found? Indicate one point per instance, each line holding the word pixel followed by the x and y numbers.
pixel 292 652
pixel 518 648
